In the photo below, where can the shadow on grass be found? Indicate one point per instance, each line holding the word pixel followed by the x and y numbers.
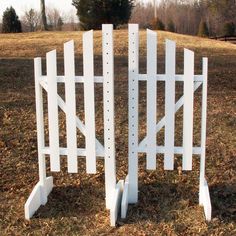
pixel 161 201
pixel 166 202
pixel 73 201
pixel 223 199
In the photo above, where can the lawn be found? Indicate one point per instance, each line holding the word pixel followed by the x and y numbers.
pixel 168 201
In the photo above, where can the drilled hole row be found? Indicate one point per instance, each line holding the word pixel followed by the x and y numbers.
pixel 133 80
pixel 108 101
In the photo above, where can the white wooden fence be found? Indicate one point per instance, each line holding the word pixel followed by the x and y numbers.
pixel 148 144
pixel 93 148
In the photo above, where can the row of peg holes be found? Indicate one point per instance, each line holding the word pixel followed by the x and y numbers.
pixel 133 97
pixel 108 100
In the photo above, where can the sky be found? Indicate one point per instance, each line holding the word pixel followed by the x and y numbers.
pixel 21 6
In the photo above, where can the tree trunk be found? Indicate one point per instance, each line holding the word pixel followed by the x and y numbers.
pixel 43 16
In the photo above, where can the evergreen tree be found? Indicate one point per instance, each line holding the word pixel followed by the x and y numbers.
pixel 10 21
pixel 93 13
pixel 171 26
pixel 157 24
pixel 229 29
pixel 59 23
pixel 203 29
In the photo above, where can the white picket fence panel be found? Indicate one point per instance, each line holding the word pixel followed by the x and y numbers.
pixel 123 192
pixel 94 148
pixel 148 144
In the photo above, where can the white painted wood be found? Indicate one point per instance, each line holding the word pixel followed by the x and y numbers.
pixel 203 121
pixel 151 98
pixel 53 111
pixel 177 150
pixel 124 202
pixel 79 123
pixel 188 109
pixel 39 120
pixel 205 200
pixel 163 77
pixel 81 152
pixel 88 64
pixel 169 106
pixel 93 146
pixel 161 123
pixel 37 197
pixel 71 131
pixel 78 79
pixel 116 201
pixel 133 112
pixel 141 77
pixel 204 195
pixel 108 103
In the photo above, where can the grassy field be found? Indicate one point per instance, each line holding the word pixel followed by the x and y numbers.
pixel 168 201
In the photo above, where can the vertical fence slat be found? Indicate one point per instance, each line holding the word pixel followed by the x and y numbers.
pixel 151 98
pixel 108 103
pixel 133 112
pixel 188 109
pixel 89 105
pixel 40 120
pixel 53 111
pixel 71 129
pixel 203 121
pixel 169 106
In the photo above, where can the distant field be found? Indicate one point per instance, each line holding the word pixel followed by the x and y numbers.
pixel 37 44
pixel 168 203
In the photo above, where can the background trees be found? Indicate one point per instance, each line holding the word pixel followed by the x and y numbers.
pixel 186 15
pixel 10 21
pixel 31 20
pixel 207 18
pixel 44 25
pixel 203 29
pixel 93 13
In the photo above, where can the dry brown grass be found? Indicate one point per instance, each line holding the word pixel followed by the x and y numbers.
pixel 168 202
pixel 37 44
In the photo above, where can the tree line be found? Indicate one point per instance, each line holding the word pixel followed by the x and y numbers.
pixel 195 17
pixel 31 21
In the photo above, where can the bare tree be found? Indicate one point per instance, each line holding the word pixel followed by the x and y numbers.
pixel 53 16
pixel 31 20
pixel 43 15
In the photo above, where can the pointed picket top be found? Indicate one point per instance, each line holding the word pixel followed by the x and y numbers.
pixel 151 32
pixel 87 34
pixel 69 44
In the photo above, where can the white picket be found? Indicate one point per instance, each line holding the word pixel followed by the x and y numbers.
pixel 108 100
pixel 203 121
pixel 53 111
pixel 188 109
pixel 169 106
pixel 151 98
pixel 88 63
pixel 204 195
pixel 39 119
pixel 71 132
pixel 133 112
